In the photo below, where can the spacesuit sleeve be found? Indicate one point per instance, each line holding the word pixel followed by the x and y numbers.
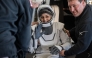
pixel 33 41
pixel 66 41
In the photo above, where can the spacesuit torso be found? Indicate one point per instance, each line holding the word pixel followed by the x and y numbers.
pixel 57 37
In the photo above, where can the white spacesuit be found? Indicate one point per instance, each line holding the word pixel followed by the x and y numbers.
pixel 52 35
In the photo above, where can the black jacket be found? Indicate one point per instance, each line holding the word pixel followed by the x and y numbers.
pixel 82 33
pixel 15 21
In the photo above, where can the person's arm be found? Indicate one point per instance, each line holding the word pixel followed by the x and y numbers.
pixel 72 34
pixel 84 40
pixel 24 23
pixel 72 31
pixel 66 31
pixel 34 23
pixel 66 41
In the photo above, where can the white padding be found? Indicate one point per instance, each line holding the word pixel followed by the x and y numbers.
pixel 56 10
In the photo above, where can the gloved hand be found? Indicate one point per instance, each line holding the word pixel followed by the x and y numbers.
pixel 38 32
pixel 55 49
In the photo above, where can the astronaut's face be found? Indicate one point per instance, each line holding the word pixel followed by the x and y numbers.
pixel 45 17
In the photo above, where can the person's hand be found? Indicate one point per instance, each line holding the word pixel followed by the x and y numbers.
pixel 38 31
pixel 35 3
pixel 55 49
pixel 66 31
pixel 62 53
pixel 33 23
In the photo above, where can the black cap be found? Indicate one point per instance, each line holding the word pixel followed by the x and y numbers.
pixel 45 10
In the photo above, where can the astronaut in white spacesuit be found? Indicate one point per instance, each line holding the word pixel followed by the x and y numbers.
pixel 48 37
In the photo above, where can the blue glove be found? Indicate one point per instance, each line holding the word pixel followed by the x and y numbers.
pixel 38 32
pixel 55 49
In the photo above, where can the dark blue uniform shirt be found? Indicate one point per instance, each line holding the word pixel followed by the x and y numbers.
pixel 82 33
pixel 15 21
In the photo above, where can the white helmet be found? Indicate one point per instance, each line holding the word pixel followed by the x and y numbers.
pixel 48 9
